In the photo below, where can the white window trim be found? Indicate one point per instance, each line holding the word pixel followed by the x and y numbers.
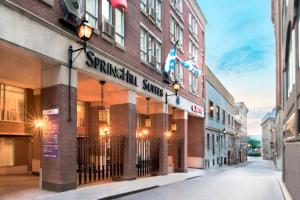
pixel 97 14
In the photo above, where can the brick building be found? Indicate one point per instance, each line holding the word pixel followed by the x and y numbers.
pixel 107 117
pixel 285 17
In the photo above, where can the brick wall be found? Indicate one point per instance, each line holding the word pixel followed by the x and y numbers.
pixel 133 17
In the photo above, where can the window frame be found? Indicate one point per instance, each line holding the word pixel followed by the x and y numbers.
pixel 122 23
pixel 93 15
pixel 3 91
pixel 110 19
pixel 211 112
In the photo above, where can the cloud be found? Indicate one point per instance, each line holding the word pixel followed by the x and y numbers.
pixel 243 59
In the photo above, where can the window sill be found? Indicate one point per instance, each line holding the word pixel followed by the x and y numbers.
pixel 144 13
pixel 144 62
pixel 107 38
pixel 96 31
pixel 49 2
pixel 121 47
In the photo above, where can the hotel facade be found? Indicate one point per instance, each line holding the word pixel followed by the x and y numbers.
pixel 113 114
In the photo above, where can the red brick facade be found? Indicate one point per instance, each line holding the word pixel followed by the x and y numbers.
pixel 133 17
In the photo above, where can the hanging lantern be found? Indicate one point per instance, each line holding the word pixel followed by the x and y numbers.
pixel 122 4
pixel 148 120
pixel 173 124
pixel 104 128
pixel 173 127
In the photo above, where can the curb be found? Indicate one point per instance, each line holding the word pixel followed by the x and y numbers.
pixel 285 192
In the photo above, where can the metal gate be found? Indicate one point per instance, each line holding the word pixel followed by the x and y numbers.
pixel 99 157
pixel 147 156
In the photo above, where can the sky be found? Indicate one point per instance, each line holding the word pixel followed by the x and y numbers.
pixel 240 50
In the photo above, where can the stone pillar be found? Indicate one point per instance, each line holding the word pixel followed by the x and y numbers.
pixel 59 169
pixel 159 125
pixel 181 119
pixel 123 123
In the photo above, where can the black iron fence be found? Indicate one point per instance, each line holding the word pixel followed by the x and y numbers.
pixel 99 157
pixel 147 156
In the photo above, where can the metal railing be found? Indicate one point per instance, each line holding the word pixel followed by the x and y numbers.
pixel 147 156
pixel 99 157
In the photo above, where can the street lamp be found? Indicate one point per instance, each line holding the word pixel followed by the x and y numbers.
pixel 84 32
pixel 175 87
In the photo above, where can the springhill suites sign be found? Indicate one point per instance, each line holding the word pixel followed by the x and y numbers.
pixel 107 68
pixel 120 73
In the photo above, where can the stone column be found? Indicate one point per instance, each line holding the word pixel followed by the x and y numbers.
pixel 59 169
pixel 181 120
pixel 123 123
pixel 159 125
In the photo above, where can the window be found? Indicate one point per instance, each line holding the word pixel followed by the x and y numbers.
pixel 80 114
pixel 176 32
pixel 12 103
pixel 291 64
pixel 218 113
pixel 151 8
pixel 151 50
pixel 158 13
pixel 178 72
pixel 223 117
pixel 229 119
pixel 154 10
pixel 143 5
pixel 193 83
pixel 177 4
pixel 158 56
pixel 213 144
pixel 119 26
pixel 107 10
pixel 193 26
pixel 143 45
pixel 211 109
pixel 207 141
pixel 232 121
pixel 193 51
pixel 91 12
pixel 6 152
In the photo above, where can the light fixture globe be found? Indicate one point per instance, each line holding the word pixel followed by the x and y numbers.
pixel 85 31
pixel 176 86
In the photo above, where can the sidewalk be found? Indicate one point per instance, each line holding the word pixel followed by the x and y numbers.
pixel 104 190
pixel 99 191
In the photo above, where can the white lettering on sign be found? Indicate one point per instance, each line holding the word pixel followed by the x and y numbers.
pixel 51 111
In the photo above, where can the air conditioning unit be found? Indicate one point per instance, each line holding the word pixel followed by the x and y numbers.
pixel 152 13
pixel 75 7
pixel 153 60
pixel 107 28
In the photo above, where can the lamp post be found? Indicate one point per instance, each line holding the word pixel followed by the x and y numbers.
pixel 175 87
pixel 84 32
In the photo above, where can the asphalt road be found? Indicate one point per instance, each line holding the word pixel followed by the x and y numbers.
pixel 257 180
